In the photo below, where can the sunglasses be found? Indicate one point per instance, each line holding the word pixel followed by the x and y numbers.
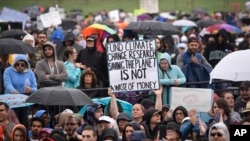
pixel 20 64
pixel 214 134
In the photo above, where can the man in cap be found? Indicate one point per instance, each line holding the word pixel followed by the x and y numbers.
pixel 122 120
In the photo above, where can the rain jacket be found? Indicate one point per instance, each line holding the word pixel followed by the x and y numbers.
pixel 74 75
pixel 137 136
pixel 43 68
pixel 214 51
pixel 167 77
pixel 60 48
pixel 19 127
pixel 147 118
pixel 14 80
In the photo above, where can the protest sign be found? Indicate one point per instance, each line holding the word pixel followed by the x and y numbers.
pixel 151 6
pixel 50 19
pixel 132 65
pixel 114 15
pixel 199 99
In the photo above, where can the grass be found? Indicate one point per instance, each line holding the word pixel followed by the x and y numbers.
pixel 128 5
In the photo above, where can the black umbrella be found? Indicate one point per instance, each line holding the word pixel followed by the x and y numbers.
pixel 59 96
pixel 13 33
pixel 207 22
pixel 68 24
pixel 152 28
pixel 9 46
pixel 245 20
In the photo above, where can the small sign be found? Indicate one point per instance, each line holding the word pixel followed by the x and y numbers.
pixel 51 19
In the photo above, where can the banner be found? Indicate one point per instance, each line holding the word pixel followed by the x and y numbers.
pixel 132 65
pixel 199 99
pixel 50 19
pixel 151 6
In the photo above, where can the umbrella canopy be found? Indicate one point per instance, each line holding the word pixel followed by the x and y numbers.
pixel 207 22
pixel 234 67
pixel 59 96
pixel 15 100
pixel 126 106
pixel 213 29
pixel 68 24
pixel 13 33
pixel 184 22
pixel 152 28
pixel 9 46
pixel 97 29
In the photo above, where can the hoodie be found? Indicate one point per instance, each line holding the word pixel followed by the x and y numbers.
pixel 57 74
pixel 29 37
pixel 183 109
pixel 109 132
pixel 167 78
pixel 16 81
pixel 21 128
pixel 222 128
pixel 147 118
pixel 215 51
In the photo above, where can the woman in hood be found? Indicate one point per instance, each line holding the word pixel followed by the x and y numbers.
pixel 19 133
pixel 129 129
pixel 169 75
pixel 219 132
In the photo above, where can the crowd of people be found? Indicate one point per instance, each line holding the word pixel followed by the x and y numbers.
pixel 72 61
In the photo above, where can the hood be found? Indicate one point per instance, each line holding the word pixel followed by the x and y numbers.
pixel 115 37
pixel 92 37
pixel 224 33
pixel 18 127
pixel 90 113
pixel 39 113
pixel 48 43
pixel 24 58
pixel 29 37
pixel 147 103
pixel 167 57
pixel 69 37
pixel 57 34
pixel 109 132
pixel 123 116
pixel 222 128
pixel 138 136
pixel 183 109
pixel 149 114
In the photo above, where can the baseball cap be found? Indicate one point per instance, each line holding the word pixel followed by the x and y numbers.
pixel 45 130
pixel 105 119
pixel 192 39
pixel 123 116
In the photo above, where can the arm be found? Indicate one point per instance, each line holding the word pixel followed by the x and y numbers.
pixel 8 82
pixel 205 62
pixel 180 76
pixel 179 61
pixel 73 72
pixel 113 105
pixel 62 76
pixel 158 100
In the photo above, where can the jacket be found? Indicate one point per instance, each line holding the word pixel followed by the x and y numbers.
pixel 74 75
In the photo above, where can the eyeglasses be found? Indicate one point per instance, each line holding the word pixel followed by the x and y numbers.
pixel 71 124
pixel 20 64
pixel 216 134
pixel 176 114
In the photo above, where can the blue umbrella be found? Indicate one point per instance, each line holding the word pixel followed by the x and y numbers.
pixel 15 100
pixel 126 106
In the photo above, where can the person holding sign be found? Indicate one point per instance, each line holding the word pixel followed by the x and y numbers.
pixel 169 75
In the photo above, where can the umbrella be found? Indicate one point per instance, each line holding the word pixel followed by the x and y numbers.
pixel 126 106
pixel 13 33
pixel 152 28
pixel 59 96
pixel 184 22
pixel 68 24
pixel 15 100
pixel 8 45
pixel 207 22
pixel 213 29
pixel 97 29
pixel 232 67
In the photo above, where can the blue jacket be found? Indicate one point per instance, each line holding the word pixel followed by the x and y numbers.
pixel 14 80
pixel 167 77
pixel 74 75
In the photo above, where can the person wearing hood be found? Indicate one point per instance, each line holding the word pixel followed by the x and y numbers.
pixel 219 131
pixel 169 75
pixel 69 40
pixel 19 133
pixel 89 56
pixel 50 71
pixel 169 47
pixel 129 129
pixel 109 134
pixel 217 50
pixel 138 136
pixel 179 114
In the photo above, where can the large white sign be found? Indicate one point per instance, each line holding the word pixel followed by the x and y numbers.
pixel 199 99
pixel 151 6
pixel 132 65
pixel 51 19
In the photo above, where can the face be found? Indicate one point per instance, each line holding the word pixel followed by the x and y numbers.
pixel 179 116
pixel 193 47
pixel 20 66
pixel 68 43
pixel 88 79
pixel 90 43
pixel 110 40
pixel 3 113
pixel 48 51
pixel 220 39
pixel 42 38
pixel 73 55
pixel 70 126
pixel 19 135
pixel 137 111
pixel 229 98
pixel 88 135
pixel 128 131
pixel 45 118
pixel 217 110
pixel 98 113
pixel 164 64
pixel 171 134
pixel 29 41
pixel 216 135
pixel 36 127
pixel 245 93
pixel 102 125
pixel 122 123
pixel 80 37
pixel 156 118
pixel 158 43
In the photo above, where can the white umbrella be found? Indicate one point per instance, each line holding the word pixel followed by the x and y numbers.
pixel 184 22
pixel 235 67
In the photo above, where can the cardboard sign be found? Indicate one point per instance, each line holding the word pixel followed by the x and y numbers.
pixel 151 6
pixel 114 15
pixel 132 65
pixel 199 99
pixel 51 19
